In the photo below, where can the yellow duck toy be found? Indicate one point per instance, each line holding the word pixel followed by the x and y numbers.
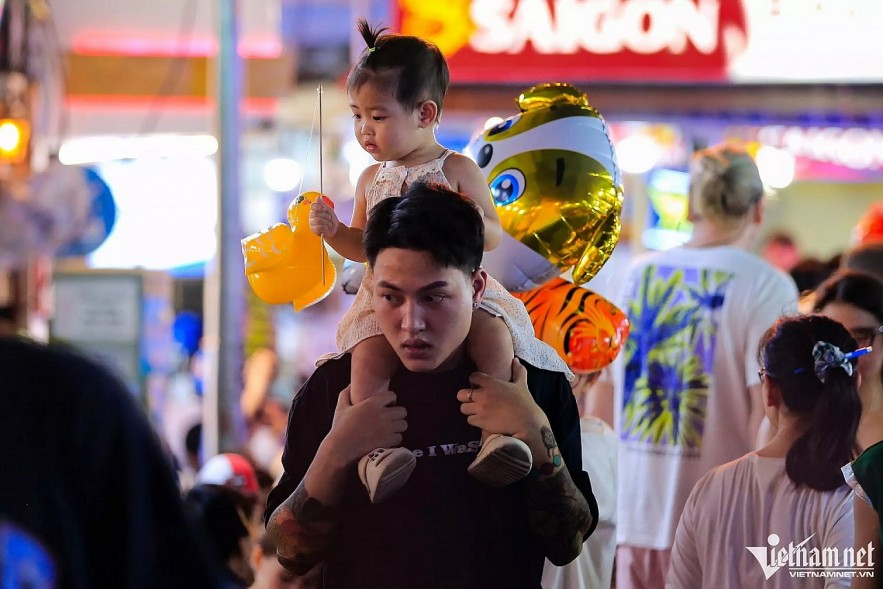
pixel 284 263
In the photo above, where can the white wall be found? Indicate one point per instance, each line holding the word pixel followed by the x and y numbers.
pixel 820 216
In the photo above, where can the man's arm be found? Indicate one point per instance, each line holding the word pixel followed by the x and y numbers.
pixel 303 525
pixel 558 513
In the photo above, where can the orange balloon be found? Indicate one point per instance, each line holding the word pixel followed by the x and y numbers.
pixel 586 330
pixel 284 264
pixel 869 228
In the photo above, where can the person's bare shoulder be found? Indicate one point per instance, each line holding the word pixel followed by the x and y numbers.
pixel 366 178
pixel 458 168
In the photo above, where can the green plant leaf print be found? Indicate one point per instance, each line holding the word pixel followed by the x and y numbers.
pixel 669 356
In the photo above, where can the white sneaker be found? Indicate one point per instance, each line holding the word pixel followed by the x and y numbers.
pixel 386 470
pixel 501 461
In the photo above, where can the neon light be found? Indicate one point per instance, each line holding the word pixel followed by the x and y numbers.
pixel 178 104
pixel 95 43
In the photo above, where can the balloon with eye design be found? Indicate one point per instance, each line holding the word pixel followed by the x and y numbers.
pixel 557 187
pixel 284 263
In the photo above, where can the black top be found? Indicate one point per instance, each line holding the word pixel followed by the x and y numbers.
pixel 84 475
pixel 444 528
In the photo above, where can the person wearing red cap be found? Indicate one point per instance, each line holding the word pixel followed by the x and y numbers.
pixel 230 470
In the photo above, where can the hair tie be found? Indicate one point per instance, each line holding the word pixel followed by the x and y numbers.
pixel 372 49
pixel 828 356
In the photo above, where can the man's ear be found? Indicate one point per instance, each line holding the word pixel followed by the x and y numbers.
pixel 479 284
pixel 427 113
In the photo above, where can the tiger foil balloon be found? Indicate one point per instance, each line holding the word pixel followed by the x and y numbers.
pixel 586 330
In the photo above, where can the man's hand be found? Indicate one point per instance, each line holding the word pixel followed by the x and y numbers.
pixel 500 407
pixel 358 429
pixel 303 525
pixel 323 219
pixel 557 512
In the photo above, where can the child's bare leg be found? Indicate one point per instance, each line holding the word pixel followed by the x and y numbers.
pixel 502 459
pixel 373 364
pixel 490 345
pixel 385 470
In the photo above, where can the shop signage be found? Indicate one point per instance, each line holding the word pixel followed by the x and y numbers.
pixel 856 148
pixel 523 41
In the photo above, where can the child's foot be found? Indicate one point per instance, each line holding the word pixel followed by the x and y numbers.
pixel 386 470
pixel 501 461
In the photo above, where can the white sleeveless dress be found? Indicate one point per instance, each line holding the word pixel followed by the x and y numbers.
pixel 360 322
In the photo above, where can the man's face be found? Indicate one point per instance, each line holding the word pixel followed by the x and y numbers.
pixel 424 310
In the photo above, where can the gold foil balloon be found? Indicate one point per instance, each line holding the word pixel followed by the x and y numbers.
pixel 586 329
pixel 284 264
pixel 555 182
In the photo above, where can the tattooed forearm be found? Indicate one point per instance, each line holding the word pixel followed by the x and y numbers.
pixel 302 529
pixel 551 451
pixel 557 511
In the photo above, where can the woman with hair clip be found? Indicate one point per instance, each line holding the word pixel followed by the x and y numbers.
pixel 855 299
pixel 790 493
pixel 687 395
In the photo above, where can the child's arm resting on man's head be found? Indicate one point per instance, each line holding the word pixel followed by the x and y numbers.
pixel 466 178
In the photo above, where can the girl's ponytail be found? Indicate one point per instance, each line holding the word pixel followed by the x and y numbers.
pixel 369 35
pixel 829 441
pixel 808 359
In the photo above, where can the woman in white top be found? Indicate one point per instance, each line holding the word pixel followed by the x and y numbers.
pixel 788 498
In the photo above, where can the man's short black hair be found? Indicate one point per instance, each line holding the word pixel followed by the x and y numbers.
pixel 430 218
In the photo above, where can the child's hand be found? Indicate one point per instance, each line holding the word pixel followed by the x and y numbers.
pixel 323 219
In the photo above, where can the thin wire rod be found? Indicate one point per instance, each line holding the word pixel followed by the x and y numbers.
pixel 321 188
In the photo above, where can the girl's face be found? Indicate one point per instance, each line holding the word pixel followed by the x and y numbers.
pixel 382 126
pixel 864 329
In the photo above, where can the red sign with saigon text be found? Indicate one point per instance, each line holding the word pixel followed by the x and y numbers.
pixel 521 41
